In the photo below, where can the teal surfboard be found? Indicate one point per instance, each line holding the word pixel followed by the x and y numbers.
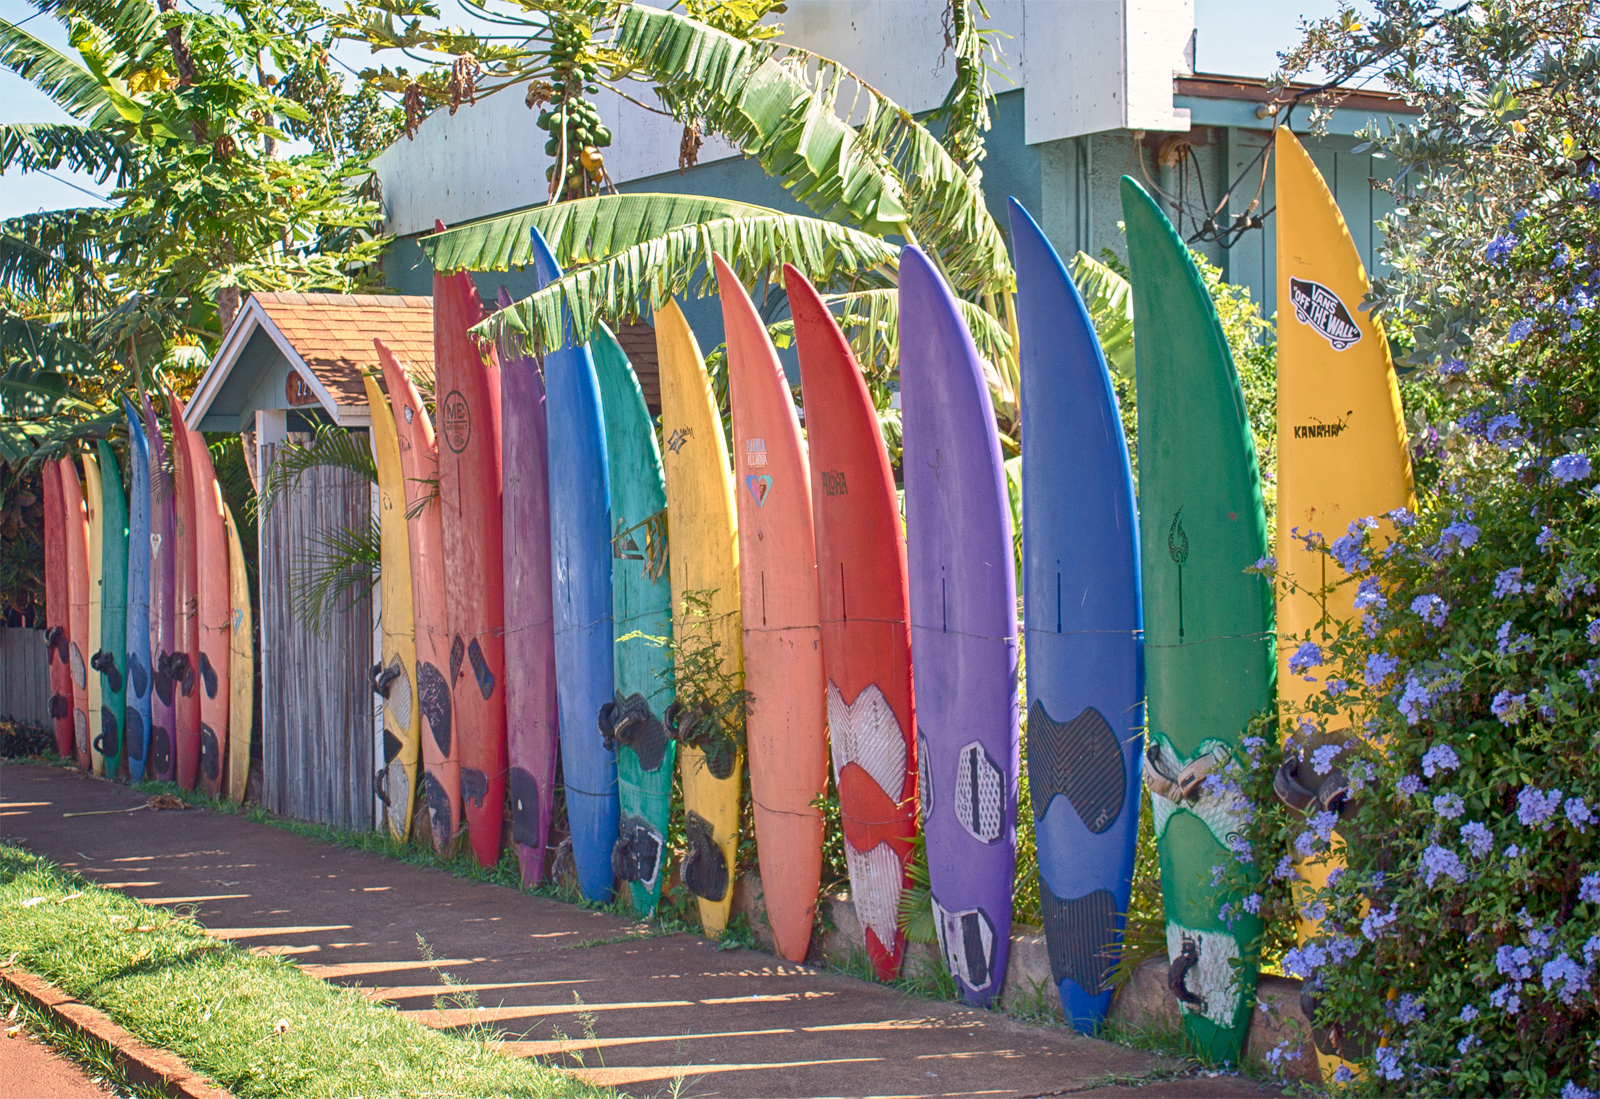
pixel 136 712
pixel 641 600
pixel 1208 641
pixel 110 661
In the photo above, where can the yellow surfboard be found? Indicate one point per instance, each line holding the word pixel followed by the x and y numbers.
pixel 91 494
pixel 241 664
pixel 1342 450
pixel 705 558
pixel 395 678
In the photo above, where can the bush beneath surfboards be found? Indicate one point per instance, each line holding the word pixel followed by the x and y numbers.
pixel 1450 757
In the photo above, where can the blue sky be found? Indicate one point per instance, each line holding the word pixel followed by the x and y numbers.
pixel 1236 37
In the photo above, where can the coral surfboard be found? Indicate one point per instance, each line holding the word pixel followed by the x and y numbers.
pixel 394 676
pixel 641 603
pixel 111 661
pixel 532 719
pixel 419 466
pixel 241 664
pixel 580 565
pixel 1342 457
pixel 704 561
pixel 57 608
pixel 963 631
pixel 136 649
pixel 468 384
pixel 163 520
pixel 866 643
pixel 186 660
pixel 214 606
pixel 78 584
pixel 97 581
pixel 1084 628
pixel 786 724
pixel 1208 624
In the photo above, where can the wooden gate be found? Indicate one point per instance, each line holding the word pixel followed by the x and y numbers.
pixel 317 708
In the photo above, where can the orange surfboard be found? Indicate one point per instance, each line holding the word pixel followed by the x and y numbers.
pixel 866 642
pixel 77 543
pixel 419 466
pixel 215 609
pixel 186 659
pixel 785 727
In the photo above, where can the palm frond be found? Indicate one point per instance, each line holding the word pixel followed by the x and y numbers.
pixel 132 26
pixel 32 146
pixel 72 86
pixel 579 232
pixel 333 571
pixel 783 106
pixel 872 317
pixel 1110 300
pixel 332 447
pixel 639 279
pixel 39 253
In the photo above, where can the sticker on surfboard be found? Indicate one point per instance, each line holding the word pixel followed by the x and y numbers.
pixel 760 488
pixel 1320 308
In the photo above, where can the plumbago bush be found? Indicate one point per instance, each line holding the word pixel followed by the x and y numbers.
pixel 1456 742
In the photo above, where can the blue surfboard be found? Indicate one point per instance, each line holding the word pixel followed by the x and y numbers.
pixel 1084 626
pixel 580 580
pixel 136 734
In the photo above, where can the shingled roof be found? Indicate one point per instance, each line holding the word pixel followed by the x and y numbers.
pixel 326 340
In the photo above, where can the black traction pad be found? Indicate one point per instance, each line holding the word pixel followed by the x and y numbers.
pixel 524 791
pixel 637 853
pixel 480 669
pixel 106 743
pixel 160 752
pixel 134 733
pixel 474 786
pixel 438 808
pixel 721 755
pixel 704 869
pixel 106 664
pixel 60 706
pixel 391 747
pixel 633 724
pixel 1079 760
pixel 458 653
pixel 1079 934
pixel 55 640
pixel 208 676
pixel 210 753
pixel 138 676
pixel 433 690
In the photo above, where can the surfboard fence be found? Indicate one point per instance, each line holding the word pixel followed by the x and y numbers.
pixel 317 707
pixel 24 676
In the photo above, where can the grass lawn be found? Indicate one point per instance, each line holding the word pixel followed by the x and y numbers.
pixel 258 1026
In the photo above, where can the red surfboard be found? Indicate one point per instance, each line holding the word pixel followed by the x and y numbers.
pixel 866 643
pixel 785 727
pixel 76 531
pixel 467 382
pixel 186 659
pixel 419 464
pixel 57 608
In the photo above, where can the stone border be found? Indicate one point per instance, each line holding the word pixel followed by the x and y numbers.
pixel 142 1065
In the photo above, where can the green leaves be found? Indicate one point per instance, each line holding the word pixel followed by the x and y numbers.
pixel 1110 300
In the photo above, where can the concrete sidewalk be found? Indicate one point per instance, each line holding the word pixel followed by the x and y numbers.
pixel 589 991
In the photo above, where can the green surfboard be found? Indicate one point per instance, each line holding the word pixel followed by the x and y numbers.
pixel 112 659
pixel 641 600
pixel 1208 641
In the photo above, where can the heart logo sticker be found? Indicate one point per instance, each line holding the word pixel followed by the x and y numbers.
pixel 760 488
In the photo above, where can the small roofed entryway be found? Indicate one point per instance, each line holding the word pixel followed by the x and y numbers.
pixel 291 365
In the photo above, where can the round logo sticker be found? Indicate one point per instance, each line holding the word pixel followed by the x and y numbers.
pixel 455 421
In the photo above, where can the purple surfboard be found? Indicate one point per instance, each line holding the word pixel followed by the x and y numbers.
pixel 531 722
pixel 161 758
pixel 963 631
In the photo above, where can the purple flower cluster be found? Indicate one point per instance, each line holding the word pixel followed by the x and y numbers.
pixel 1265 565
pixel 1505 999
pixel 1409 785
pixel 1458 536
pixel 1374 924
pixel 1509 708
pixel 1430 608
pixel 1515 962
pixel 1438 759
pixel 1478 838
pixel 1569 468
pixel 1306 657
pixel 1505 430
pixel 1322 759
pixel 1449 806
pixel 1408 1009
pixel 1565 977
pixel 1546 536
pixel 1380 666
pixel 1499 249
pixel 1579 813
pixel 1337 687
pixel 1440 862
pixel 1536 807
pixel 1589 889
pixel 1510 582
pixel 1368 594
pixel 1520 330
pixel 1509 646
pixel 1387 1061
pixel 1593 632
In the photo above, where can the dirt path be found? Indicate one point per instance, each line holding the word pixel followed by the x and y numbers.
pixel 585 989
